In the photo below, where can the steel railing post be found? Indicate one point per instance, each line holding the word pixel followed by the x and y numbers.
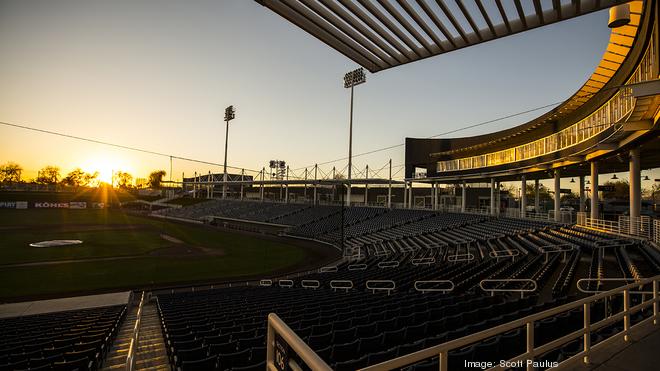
pixel 270 343
pixel 530 345
pixel 443 360
pixel 655 302
pixel 626 315
pixel 587 332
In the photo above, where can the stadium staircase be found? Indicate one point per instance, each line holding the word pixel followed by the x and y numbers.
pixel 151 354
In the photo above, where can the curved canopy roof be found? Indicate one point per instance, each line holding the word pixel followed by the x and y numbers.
pixel 386 33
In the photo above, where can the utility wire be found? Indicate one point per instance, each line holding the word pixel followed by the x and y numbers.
pixel 119 146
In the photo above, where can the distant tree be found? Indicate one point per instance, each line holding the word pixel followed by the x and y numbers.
pixel 48 175
pixel 155 178
pixel 10 172
pixel 570 198
pixel 544 192
pixel 123 179
pixel 79 178
pixel 621 190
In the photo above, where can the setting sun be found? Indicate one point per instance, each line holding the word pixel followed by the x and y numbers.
pixel 106 167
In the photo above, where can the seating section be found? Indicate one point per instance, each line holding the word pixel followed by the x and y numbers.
pixel 226 328
pixel 386 299
pixel 72 340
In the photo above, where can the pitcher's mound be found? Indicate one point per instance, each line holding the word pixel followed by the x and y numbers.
pixel 55 243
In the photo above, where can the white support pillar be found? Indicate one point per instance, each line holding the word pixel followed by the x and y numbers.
pixel 366 186
pixel 635 184
pixel 195 185
pixel 464 197
pixel 286 186
pixel 635 191
pixel 209 194
pixel 305 192
pixel 523 196
pixel 492 196
pixel 263 171
pixel 583 198
pixel 389 188
pixel 405 194
pixel 595 213
pixel 537 197
pixel 557 195
pixel 242 178
pixel 316 168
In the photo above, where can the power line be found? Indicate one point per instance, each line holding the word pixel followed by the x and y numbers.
pixel 441 134
pixel 96 141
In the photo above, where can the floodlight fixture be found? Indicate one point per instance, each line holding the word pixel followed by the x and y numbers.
pixel 230 113
pixel 355 77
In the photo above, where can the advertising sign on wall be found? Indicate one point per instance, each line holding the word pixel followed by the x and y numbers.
pixel 77 205
pixel 51 205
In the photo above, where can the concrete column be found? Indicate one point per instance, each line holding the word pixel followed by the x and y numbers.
pixel 537 197
pixel 389 187
pixel 405 194
pixel 582 195
pixel 635 184
pixel 594 190
pixel 463 197
pixel 492 196
pixel 411 201
pixel 557 195
pixel 523 196
pixel 286 186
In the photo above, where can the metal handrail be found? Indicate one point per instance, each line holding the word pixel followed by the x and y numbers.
pixel 388 264
pixel 423 261
pixel 522 291
pixel 357 267
pixel 285 283
pixel 599 280
pixel 341 284
pixel 275 360
pixel 310 284
pixel 370 285
pixel 434 289
pixel 461 257
pixel 528 322
pixel 130 356
pixel 495 254
pixel 330 269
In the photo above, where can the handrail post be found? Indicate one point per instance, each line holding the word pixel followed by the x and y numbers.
pixel 270 343
pixel 655 302
pixel 443 360
pixel 626 315
pixel 587 332
pixel 530 345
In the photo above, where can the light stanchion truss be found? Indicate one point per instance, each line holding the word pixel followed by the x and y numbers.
pixel 383 34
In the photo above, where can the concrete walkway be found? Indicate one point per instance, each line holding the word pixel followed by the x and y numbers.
pixel 59 305
pixel 641 353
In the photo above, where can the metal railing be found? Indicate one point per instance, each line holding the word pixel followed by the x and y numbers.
pixel 279 341
pixel 135 338
pixel 431 286
pixel 442 350
pixel 641 226
pixel 522 290
pixel 601 119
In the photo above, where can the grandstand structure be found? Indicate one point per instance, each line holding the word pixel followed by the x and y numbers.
pixel 415 289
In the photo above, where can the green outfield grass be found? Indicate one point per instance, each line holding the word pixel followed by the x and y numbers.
pixel 121 250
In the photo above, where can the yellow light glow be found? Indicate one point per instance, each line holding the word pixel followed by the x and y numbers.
pixel 106 167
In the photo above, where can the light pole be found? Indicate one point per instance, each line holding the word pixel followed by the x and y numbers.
pixel 230 114
pixel 355 77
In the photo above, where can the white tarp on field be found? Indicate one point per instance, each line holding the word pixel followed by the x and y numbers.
pixel 55 243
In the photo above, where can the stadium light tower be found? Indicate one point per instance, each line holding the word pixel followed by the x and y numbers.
pixel 230 114
pixel 351 79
